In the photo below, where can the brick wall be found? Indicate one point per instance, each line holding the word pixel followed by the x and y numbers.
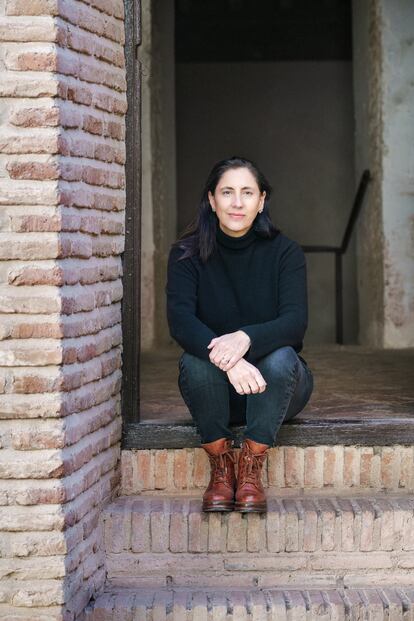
pixel 338 467
pixel 62 155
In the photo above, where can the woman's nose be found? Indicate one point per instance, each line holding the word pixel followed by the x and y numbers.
pixel 237 201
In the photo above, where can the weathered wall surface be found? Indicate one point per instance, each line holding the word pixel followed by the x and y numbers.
pixel 158 166
pixel 398 172
pixel 147 207
pixel 62 158
pixel 384 110
pixel 296 120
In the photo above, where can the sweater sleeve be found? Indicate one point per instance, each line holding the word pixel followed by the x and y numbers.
pixel 185 327
pixel 289 326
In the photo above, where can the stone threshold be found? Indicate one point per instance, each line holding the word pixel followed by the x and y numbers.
pixel 307 432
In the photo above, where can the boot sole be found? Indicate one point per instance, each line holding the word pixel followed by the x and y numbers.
pixel 218 507
pixel 250 507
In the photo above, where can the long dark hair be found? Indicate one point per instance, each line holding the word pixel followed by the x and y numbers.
pixel 199 237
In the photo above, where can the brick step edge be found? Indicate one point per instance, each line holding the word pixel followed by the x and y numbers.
pixel 337 467
pixel 154 524
pixel 391 603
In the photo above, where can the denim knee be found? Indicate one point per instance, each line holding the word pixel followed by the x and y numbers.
pixel 199 372
pixel 282 362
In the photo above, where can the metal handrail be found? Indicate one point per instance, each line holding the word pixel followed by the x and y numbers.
pixel 339 251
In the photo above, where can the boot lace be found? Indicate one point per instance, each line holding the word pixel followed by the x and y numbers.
pixel 249 467
pixel 219 465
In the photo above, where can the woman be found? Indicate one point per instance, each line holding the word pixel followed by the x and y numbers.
pixel 237 305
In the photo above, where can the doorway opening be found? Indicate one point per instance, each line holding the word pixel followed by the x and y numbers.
pixel 271 81
pixel 273 84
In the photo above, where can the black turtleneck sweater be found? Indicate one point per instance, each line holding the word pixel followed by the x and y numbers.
pixel 249 283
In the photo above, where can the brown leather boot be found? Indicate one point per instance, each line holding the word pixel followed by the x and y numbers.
pixel 250 495
pixel 219 495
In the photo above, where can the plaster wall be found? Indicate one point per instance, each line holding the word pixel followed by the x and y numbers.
pixel 398 172
pixel 159 171
pixel 296 120
pixel 384 111
pixel 368 154
pixel 147 215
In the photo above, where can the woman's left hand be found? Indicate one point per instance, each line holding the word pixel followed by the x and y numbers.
pixel 228 349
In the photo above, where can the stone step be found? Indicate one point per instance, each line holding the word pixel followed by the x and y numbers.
pixel 337 467
pixel 323 541
pixel 180 604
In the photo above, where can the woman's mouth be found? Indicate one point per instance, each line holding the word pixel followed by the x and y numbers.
pixel 237 216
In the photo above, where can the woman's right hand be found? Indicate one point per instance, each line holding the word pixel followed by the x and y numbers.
pixel 246 378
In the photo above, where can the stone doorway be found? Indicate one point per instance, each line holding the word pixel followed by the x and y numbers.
pixel 349 76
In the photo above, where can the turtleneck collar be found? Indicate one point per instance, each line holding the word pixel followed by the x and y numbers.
pixel 236 243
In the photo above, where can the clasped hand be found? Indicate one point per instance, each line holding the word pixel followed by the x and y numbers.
pixel 227 353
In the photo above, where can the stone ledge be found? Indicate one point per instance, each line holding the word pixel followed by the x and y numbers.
pixel 384 603
pixel 145 526
pixel 306 432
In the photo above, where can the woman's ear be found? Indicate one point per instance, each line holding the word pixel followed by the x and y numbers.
pixel 262 200
pixel 212 201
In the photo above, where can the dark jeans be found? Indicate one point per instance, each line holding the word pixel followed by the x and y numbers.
pixel 214 403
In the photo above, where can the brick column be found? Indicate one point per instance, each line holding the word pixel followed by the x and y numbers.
pixel 61 234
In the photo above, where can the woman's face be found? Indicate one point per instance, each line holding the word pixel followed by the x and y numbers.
pixel 236 201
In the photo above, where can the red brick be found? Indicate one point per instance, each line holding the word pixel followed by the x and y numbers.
pixel 45 141
pixel 105 200
pixel 117 529
pixel 116 130
pixel 32 61
pixel 38 439
pixel 35 117
pixel 160 469
pixel 215 539
pixel 407 468
pixel 273 527
pixel 114 7
pixel 36 276
pixel 390 467
pixel 143 470
pixel 351 466
pixel 159 526
pixel 178 526
pixel 333 466
pixel 18 29
pixel 201 468
pixel 276 467
pixel 140 526
pixel 256 532
pixel 313 466
pixel 44 329
pixel 294 466
pixel 329 541
pixel 291 526
pixel 181 468
pixel 42 86
pixel 237 532
pixel 367 526
pixel 35 7
pixel 310 521
pixel 197 527
pixel 127 472
pixel 347 525
pixel 92 124
pixel 36 223
pixel 366 465
pixel 387 524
